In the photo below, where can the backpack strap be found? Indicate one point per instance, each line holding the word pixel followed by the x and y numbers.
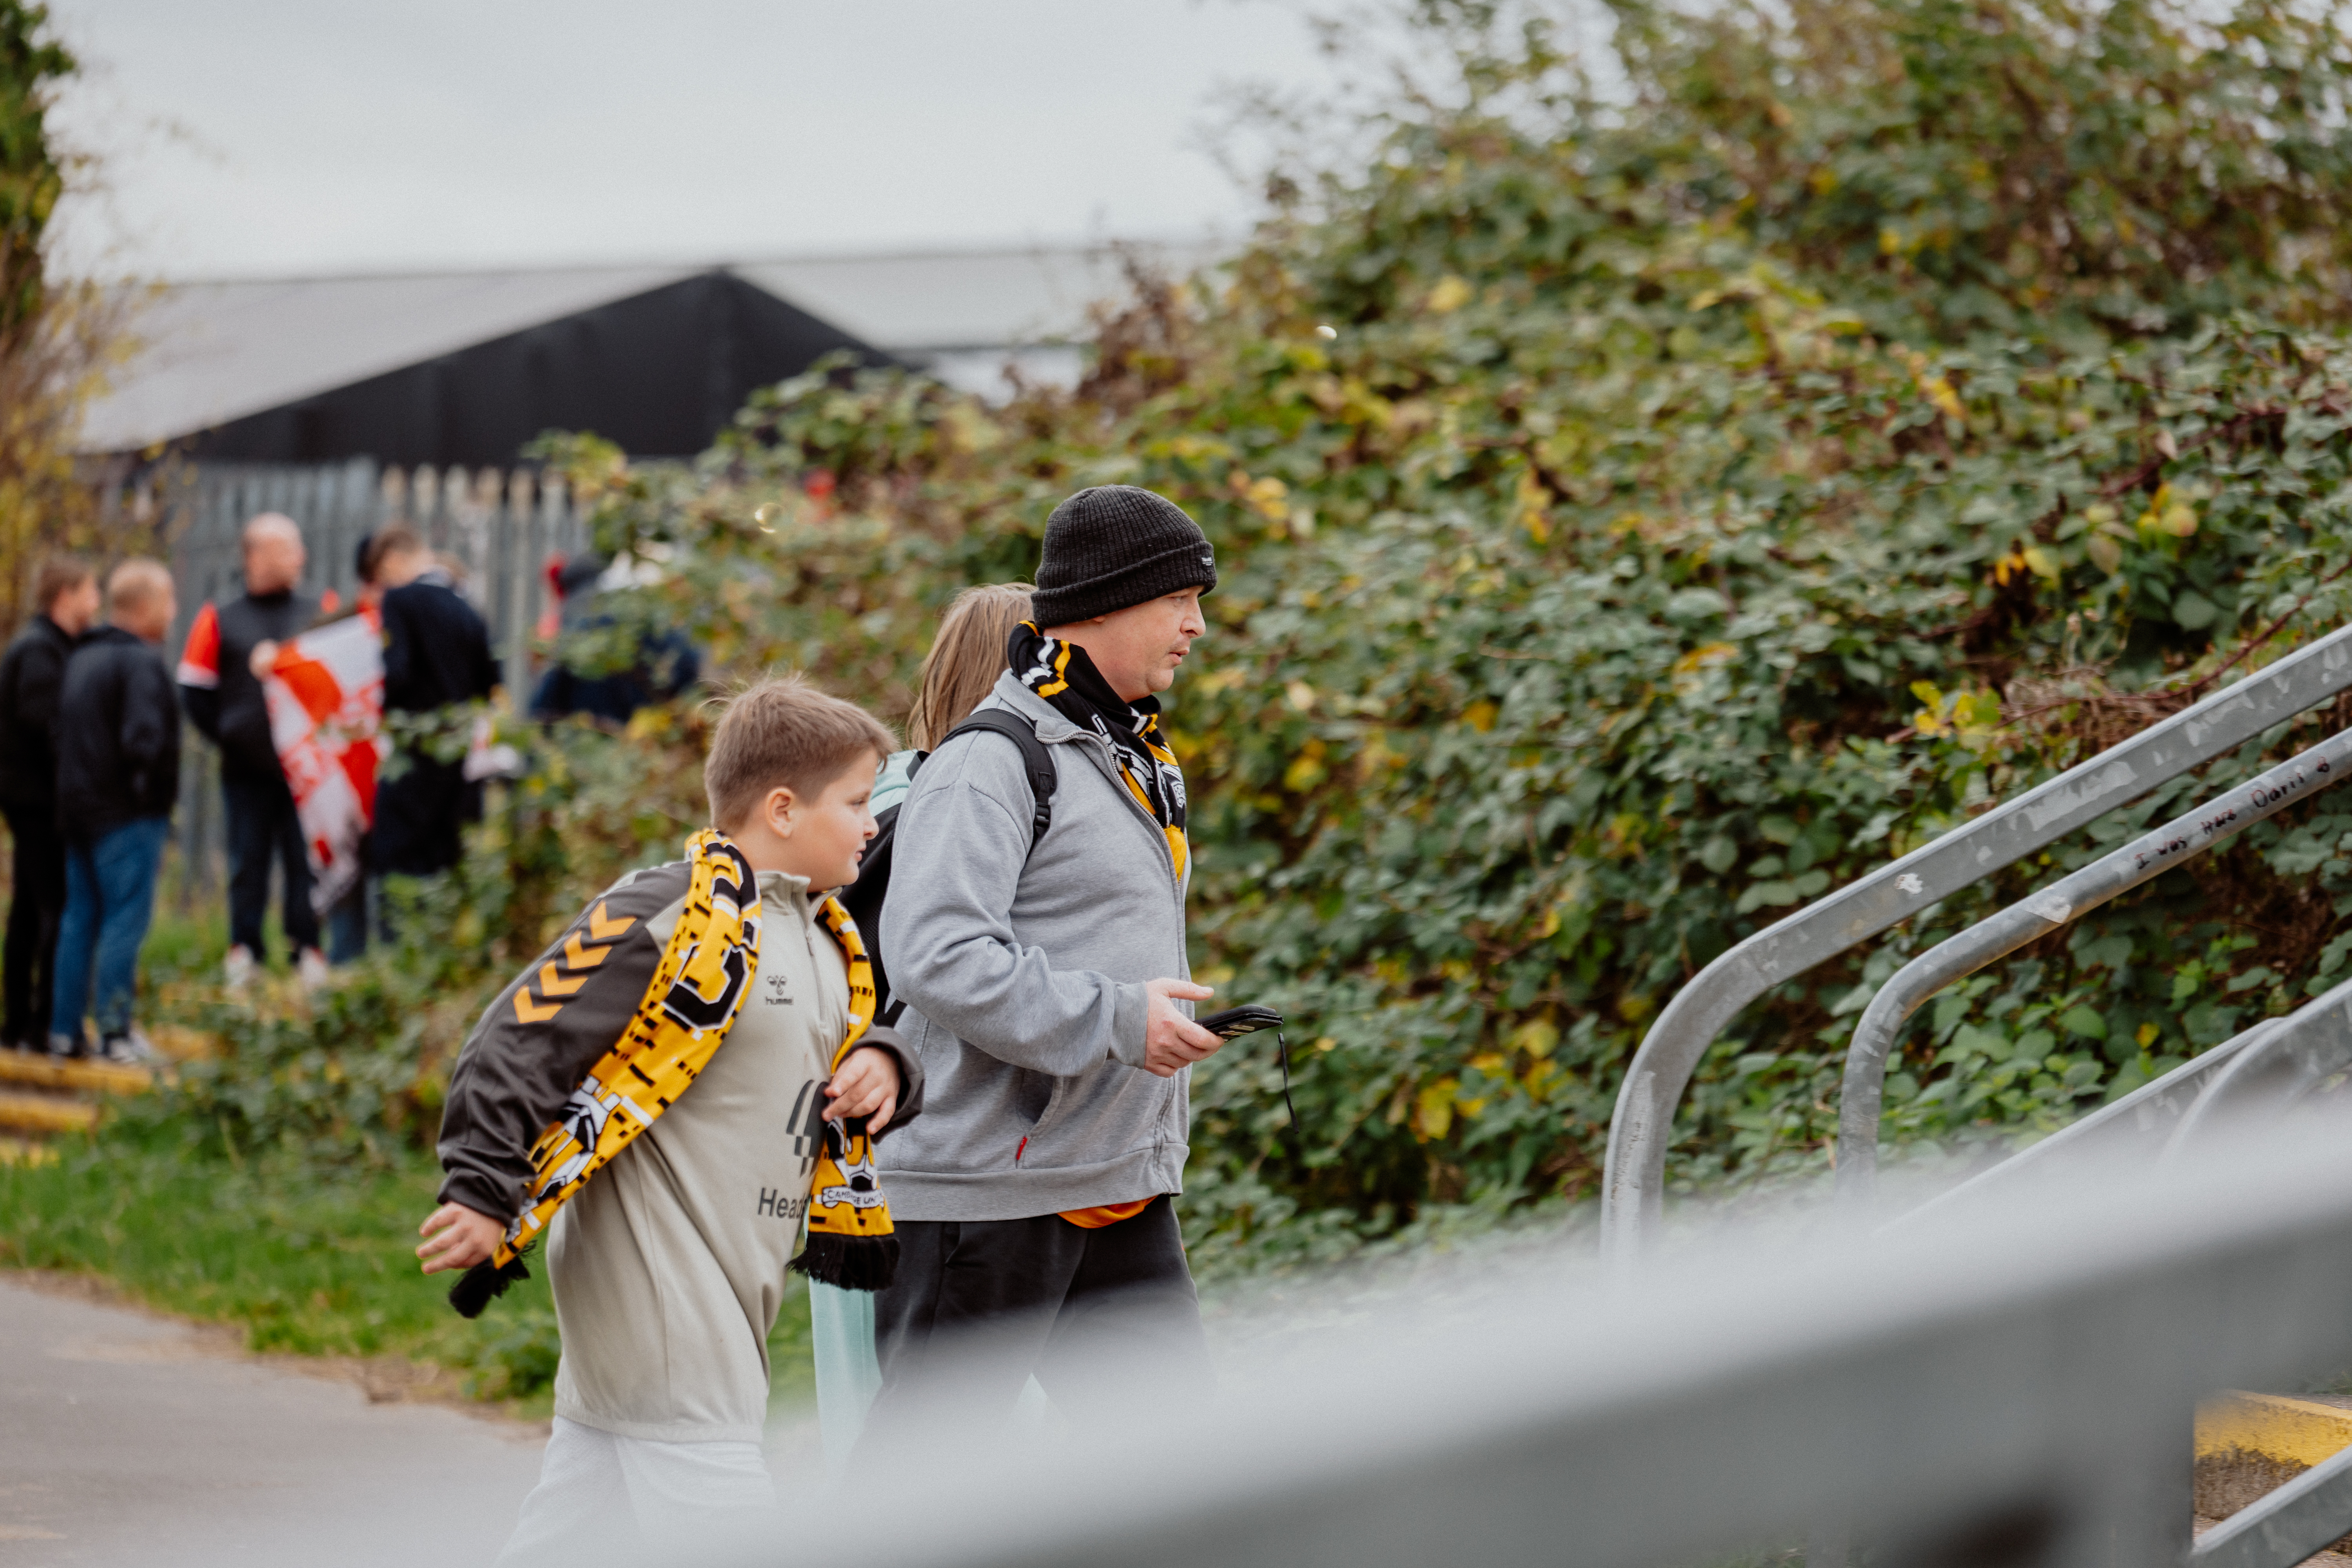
pixel 1044 777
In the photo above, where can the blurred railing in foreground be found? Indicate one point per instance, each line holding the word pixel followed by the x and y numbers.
pixel 2006 1382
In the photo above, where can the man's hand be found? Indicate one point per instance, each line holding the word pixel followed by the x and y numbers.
pixel 458 1238
pixel 265 654
pixel 867 1085
pixel 1171 1042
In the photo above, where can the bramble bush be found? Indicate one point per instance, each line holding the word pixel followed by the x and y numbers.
pixel 1640 511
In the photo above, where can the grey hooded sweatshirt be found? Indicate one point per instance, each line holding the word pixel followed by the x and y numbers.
pixel 1022 971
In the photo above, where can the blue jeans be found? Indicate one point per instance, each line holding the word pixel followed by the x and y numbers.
pixel 110 896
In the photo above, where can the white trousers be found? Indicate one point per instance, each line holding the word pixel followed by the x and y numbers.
pixel 603 1497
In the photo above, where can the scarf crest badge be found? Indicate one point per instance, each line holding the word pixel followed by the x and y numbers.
pixel 695 993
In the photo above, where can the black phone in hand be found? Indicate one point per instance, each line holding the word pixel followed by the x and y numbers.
pixel 1235 1020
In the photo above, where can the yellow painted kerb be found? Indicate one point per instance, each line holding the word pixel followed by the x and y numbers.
pixel 2292 1431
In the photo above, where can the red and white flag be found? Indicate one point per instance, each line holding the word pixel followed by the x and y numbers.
pixel 325 692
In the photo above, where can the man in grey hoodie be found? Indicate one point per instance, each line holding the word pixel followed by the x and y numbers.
pixel 1049 997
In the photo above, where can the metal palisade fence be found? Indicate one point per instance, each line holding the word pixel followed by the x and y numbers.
pixel 496 530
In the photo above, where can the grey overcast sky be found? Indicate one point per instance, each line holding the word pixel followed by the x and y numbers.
pixel 283 137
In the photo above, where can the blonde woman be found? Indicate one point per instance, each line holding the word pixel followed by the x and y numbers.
pixel 963 666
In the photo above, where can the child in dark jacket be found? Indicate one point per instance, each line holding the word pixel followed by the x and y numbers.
pixel 118 739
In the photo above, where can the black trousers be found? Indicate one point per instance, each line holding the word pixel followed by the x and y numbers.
pixel 27 969
pixel 1101 1318
pixel 262 827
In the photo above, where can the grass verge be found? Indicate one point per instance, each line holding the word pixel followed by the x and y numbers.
pixel 315 1263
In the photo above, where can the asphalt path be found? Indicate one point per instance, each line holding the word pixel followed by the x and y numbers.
pixel 128 1438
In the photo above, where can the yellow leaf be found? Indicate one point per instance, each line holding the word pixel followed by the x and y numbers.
pixel 1890 242
pixel 2146 1036
pixel 1432 1111
pixel 1299 695
pixel 1480 716
pixel 2105 553
pixel 1926 692
pixel 2042 563
pixel 1267 499
pixel 1537 1037
pixel 1450 294
pixel 1303 774
pixel 2177 519
pixel 1707 654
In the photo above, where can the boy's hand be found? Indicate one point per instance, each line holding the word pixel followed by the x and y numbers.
pixel 1171 1042
pixel 458 1238
pixel 867 1085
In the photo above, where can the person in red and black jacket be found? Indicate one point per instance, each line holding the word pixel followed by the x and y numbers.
pixel 222 697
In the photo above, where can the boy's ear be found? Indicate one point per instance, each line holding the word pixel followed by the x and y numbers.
pixel 776 809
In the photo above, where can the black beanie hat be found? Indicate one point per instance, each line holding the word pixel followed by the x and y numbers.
pixel 1116 545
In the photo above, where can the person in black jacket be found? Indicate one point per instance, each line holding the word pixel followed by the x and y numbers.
pixel 436 653
pixel 118 777
pixel 222 697
pixel 30 674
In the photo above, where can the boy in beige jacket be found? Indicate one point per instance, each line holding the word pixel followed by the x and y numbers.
pixel 668 1265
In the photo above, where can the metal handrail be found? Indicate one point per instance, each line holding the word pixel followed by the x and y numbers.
pixel 2116 872
pixel 2150 1113
pixel 2290 1525
pixel 1642 1126
pixel 2309 1045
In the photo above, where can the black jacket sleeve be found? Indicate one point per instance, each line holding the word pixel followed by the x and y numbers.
pixel 203 706
pixel 150 729
pixel 539 1039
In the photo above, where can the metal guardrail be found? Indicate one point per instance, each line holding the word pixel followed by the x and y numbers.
pixel 2297 1522
pixel 2139 1123
pixel 1642 1126
pixel 2064 901
pixel 2286 1063
pixel 2010 1384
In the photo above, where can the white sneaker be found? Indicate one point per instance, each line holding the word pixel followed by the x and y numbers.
pixel 239 966
pixel 132 1050
pixel 313 968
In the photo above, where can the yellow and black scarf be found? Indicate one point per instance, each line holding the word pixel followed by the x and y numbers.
pixel 1062 674
pixel 850 1241
pixel 697 990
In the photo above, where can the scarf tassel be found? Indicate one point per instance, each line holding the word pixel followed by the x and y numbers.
pixel 849 1262
pixel 484 1283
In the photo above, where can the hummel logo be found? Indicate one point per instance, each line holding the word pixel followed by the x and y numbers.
pixel 776 992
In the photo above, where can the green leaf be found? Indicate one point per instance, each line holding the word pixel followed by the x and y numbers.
pixel 2085 1021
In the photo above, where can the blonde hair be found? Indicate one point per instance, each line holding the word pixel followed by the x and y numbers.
pixel 784 732
pixel 965 659
pixel 134 585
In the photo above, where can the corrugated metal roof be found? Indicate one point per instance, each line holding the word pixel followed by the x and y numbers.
pixel 213 351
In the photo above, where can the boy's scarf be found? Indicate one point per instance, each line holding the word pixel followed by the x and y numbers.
pixel 850 1242
pixel 1062 674
pixel 697 990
